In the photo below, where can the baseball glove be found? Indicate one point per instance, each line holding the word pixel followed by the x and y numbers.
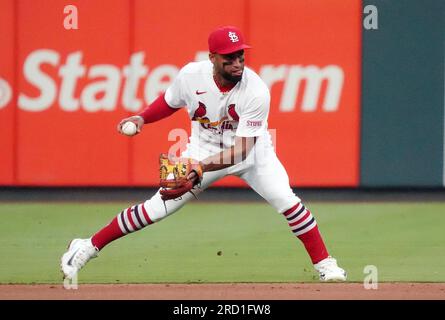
pixel 175 178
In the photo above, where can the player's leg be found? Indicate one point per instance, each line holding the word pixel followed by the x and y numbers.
pixel 129 220
pixel 270 180
pixel 137 217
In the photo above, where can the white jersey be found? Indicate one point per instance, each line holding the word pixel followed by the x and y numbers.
pixel 217 117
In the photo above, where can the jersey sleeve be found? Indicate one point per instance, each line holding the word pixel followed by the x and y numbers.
pixel 174 95
pixel 253 118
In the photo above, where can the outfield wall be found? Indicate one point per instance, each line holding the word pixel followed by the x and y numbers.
pixel 63 91
pixel 402 141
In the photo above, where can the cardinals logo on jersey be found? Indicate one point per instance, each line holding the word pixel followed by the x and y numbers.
pixel 226 123
pixel 232 112
pixel 200 112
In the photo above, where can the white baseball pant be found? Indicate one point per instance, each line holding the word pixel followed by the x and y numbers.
pixel 262 171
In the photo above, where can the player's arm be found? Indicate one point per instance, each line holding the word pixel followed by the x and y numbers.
pixel 229 156
pixel 157 110
pixel 164 106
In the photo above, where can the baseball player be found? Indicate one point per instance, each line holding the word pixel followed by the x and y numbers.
pixel 228 105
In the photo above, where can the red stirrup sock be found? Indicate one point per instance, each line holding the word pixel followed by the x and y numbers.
pixel 304 226
pixel 129 220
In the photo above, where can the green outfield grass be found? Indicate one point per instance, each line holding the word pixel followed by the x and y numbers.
pixel 404 240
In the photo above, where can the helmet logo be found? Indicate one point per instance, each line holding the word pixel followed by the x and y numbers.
pixel 233 37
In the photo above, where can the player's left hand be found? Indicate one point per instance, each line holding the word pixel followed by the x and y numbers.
pixel 178 177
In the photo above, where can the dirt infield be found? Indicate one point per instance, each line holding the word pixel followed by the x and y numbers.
pixel 235 291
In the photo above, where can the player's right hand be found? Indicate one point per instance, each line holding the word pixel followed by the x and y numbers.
pixel 137 120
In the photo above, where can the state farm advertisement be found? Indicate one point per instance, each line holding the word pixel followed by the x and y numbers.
pixel 63 91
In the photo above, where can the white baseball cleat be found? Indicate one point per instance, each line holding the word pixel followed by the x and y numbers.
pixel 329 270
pixel 80 251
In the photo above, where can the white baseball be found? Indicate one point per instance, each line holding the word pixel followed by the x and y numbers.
pixel 129 128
